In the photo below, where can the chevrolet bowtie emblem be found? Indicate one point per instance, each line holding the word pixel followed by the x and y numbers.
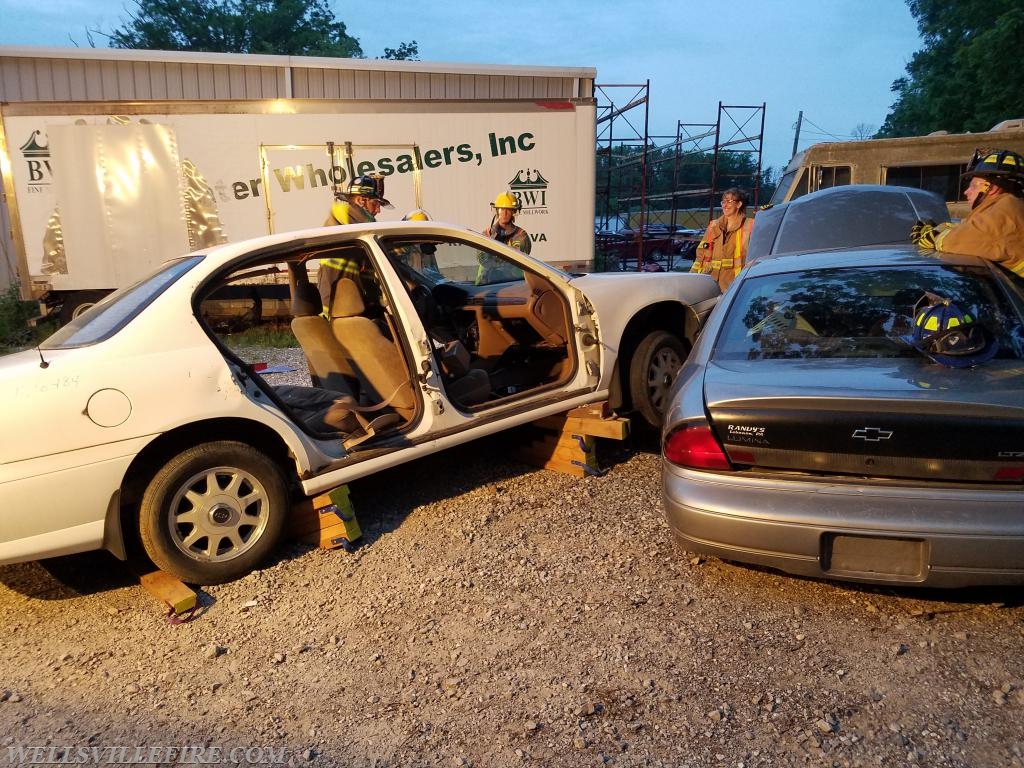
pixel 872 434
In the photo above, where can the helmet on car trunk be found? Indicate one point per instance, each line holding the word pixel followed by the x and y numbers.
pixel 948 335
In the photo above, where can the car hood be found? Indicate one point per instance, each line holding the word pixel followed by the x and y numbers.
pixel 904 418
pixel 610 289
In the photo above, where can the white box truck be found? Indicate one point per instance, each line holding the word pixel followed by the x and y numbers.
pixel 97 193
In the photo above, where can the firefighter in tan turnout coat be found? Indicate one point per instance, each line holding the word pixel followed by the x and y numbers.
pixel 994 229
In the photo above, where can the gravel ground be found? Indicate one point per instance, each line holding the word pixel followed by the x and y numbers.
pixel 498 615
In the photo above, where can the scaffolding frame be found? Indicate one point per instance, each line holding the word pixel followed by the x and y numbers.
pixel 629 156
pixel 737 138
pixel 611 115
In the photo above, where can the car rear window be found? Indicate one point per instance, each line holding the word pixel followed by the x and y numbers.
pixel 116 310
pixel 857 312
pixel 850 217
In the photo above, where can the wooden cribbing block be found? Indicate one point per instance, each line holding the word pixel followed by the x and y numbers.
pixel 567 440
pixel 564 452
pixel 328 520
pixel 169 591
pixel 593 420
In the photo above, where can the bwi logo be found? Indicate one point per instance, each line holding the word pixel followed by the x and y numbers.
pixel 37 160
pixel 531 190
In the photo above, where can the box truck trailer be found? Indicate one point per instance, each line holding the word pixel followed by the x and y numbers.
pixel 98 192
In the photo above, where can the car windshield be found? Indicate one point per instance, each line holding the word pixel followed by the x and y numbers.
pixel 858 312
pixel 114 312
pixel 451 261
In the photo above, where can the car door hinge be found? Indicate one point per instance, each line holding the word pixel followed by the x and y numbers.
pixel 435 399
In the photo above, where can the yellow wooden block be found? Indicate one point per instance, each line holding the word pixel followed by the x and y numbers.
pixel 583 443
pixel 328 520
pixel 565 467
pixel 333 536
pixel 169 591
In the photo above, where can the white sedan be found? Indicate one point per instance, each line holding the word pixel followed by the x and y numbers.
pixel 138 420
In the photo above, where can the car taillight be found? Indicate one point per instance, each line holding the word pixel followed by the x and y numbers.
pixel 1013 474
pixel 695 446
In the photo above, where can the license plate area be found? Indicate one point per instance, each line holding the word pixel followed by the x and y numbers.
pixel 875 557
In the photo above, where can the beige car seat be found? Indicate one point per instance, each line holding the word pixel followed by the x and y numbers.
pixel 377 362
pixel 326 358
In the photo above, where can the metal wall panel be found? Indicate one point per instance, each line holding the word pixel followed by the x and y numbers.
pixel 43 80
pixel 97 75
pixel 377 89
pixel 206 78
pixel 125 72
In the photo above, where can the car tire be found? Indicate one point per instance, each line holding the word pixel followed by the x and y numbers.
pixel 213 512
pixel 652 370
pixel 78 302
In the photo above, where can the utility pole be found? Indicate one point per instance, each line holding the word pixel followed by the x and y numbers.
pixel 796 138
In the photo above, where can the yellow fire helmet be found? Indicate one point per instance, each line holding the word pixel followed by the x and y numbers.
pixel 417 214
pixel 506 200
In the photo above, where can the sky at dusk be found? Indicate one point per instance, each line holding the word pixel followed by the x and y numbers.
pixel 833 60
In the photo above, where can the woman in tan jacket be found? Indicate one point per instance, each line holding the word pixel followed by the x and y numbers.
pixel 722 251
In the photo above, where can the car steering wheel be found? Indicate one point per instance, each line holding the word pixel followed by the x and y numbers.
pixel 423 301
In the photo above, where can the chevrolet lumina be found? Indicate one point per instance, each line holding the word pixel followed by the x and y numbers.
pixel 856 414
pixel 139 419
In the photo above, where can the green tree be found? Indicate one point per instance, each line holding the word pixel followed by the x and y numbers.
pixel 404 52
pixel 282 27
pixel 967 76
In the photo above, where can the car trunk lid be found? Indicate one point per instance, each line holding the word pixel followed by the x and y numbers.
pixel 903 418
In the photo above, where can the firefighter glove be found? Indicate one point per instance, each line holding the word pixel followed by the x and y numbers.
pixel 922 234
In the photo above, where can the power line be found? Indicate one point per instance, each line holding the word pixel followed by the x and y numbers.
pixel 823 131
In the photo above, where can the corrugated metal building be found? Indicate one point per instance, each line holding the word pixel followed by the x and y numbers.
pixel 55 75
pixel 92 74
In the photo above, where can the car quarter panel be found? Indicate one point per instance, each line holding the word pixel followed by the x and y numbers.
pixel 118 390
pixel 55 505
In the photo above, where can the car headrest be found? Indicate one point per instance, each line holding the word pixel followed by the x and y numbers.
pixel 347 301
pixel 306 302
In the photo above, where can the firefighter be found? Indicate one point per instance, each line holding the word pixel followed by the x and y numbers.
pixel 722 251
pixel 994 228
pixel 503 223
pixel 359 204
pixel 504 229
pixel 418 257
pixel 417 214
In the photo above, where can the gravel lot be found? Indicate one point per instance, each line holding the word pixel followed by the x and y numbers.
pixel 498 615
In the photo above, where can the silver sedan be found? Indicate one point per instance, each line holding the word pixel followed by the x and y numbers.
pixel 857 415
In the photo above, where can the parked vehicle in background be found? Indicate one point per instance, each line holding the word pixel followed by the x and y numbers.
pixel 934 162
pixel 856 414
pixel 842 217
pixel 686 241
pixel 605 237
pixel 655 246
pixel 444 337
